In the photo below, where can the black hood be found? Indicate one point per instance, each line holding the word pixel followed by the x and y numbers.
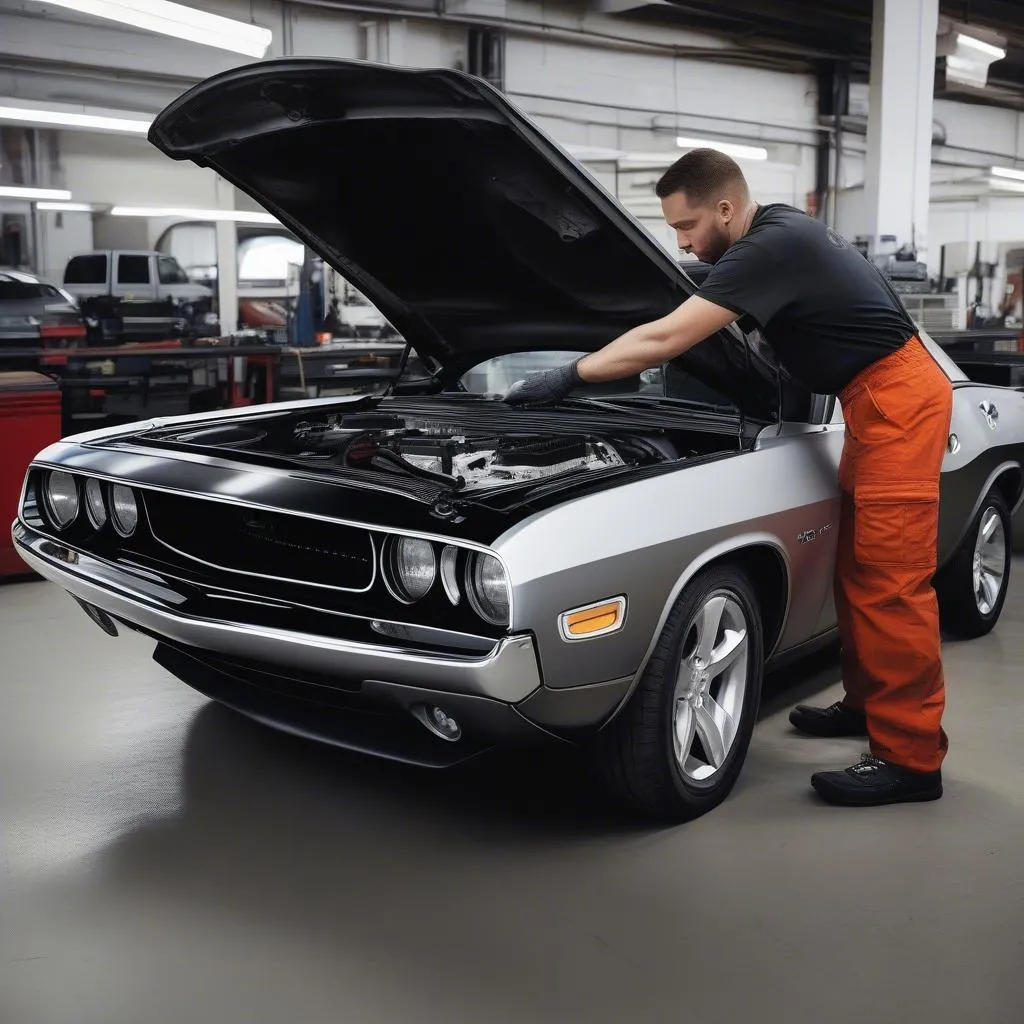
pixel 471 231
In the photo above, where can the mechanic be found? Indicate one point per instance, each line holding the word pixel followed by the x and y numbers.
pixel 837 326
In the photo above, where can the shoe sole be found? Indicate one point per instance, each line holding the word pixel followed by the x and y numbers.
pixel 844 799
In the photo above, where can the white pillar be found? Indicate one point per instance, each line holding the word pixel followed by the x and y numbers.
pixel 227 275
pixel 899 141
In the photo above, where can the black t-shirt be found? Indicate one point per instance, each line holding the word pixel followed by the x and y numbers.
pixel 825 310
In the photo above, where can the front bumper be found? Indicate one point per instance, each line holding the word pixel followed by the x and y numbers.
pixel 509 672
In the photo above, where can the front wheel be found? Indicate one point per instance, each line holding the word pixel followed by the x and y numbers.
pixel 677 747
pixel 971 587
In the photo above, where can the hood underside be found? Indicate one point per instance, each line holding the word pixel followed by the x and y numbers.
pixel 472 232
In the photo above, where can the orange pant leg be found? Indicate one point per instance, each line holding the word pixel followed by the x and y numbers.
pixel 897 414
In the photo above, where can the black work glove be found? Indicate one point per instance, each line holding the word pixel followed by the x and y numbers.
pixel 545 388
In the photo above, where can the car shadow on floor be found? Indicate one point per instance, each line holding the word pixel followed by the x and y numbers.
pixel 548 791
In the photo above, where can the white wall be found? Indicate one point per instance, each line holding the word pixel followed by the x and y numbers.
pixel 975 133
pixel 62 235
pixel 127 170
pixel 695 91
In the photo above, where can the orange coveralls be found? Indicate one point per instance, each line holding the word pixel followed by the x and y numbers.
pixel 897 414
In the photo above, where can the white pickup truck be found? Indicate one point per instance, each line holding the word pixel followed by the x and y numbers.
pixel 133 295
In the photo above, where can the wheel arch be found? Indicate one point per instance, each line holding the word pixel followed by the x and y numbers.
pixel 765 561
pixel 1009 478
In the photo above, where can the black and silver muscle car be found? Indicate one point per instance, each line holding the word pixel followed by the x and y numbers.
pixel 425 574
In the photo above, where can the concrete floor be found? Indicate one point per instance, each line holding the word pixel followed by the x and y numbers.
pixel 165 860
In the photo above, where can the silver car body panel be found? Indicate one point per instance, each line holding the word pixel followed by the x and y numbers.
pixel 590 549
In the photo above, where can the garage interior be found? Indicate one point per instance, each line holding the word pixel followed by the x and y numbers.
pixel 167 859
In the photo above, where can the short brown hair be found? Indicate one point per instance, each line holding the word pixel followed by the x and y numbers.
pixel 704 175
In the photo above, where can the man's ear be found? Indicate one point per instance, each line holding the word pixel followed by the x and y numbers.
pixel 726 210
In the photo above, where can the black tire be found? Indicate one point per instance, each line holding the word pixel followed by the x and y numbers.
pixel 634 754
pixel 959 613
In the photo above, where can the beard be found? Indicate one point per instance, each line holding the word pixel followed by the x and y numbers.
pixel 717 245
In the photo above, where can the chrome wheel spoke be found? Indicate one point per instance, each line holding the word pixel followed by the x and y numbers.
pixel 993 562
pixel 988 527
pixel 990 590
pixel 685 728
pixel 716 729
pixel 708 624
pixel 733 645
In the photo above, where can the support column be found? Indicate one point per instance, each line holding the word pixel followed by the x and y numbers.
pixel 227 275
pixel 899 141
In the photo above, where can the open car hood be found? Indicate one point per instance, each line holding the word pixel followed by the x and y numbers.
pixel 472 232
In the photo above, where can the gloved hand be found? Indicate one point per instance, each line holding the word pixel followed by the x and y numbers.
pixel 545 388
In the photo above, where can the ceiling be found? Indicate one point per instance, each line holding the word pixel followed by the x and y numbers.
pixel 797 33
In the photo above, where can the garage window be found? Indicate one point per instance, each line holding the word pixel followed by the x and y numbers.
pixel 86 270
pixel 133 270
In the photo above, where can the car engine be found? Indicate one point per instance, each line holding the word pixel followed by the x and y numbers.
pixel 483 462
pixel 451 454
pixel 469 459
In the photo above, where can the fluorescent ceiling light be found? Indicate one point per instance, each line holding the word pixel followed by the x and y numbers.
pixel 242 216
pixel 1008 186
pixel 72 119
pixel 995 52
pixel 65 207
pixel 729 148
pixel 17 192
pixel 1008 172
pixel 171 19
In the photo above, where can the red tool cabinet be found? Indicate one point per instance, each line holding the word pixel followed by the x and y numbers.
pixel 30 419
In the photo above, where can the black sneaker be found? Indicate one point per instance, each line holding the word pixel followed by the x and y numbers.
pixel 837 720
pixel 874 782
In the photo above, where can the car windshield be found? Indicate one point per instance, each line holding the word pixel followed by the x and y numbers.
pixel 16 290
pixel 669 382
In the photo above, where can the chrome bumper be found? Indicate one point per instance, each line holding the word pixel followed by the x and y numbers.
pixel 509 672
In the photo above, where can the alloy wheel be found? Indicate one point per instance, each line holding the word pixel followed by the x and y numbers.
pixel 989 561
pixel 710 687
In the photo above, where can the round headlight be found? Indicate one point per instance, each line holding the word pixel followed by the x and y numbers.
pixel 62 499
pixel 411 568
pixel 488 589
pixel 124 511
pixel 95 506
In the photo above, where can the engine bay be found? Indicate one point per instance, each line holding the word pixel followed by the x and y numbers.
pixel 460 455
pixel 473 462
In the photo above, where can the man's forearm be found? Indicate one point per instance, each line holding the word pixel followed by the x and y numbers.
pixel 629 354
pixel 654 343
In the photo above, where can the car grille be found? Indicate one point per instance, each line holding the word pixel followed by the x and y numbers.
pixel 275 545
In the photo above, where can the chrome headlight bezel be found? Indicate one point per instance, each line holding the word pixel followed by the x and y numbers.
pixel 482 604
pixel 398 586
pixel 61 476
pixel 115 514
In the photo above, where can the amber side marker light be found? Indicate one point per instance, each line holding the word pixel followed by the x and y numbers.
pixel 593 620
